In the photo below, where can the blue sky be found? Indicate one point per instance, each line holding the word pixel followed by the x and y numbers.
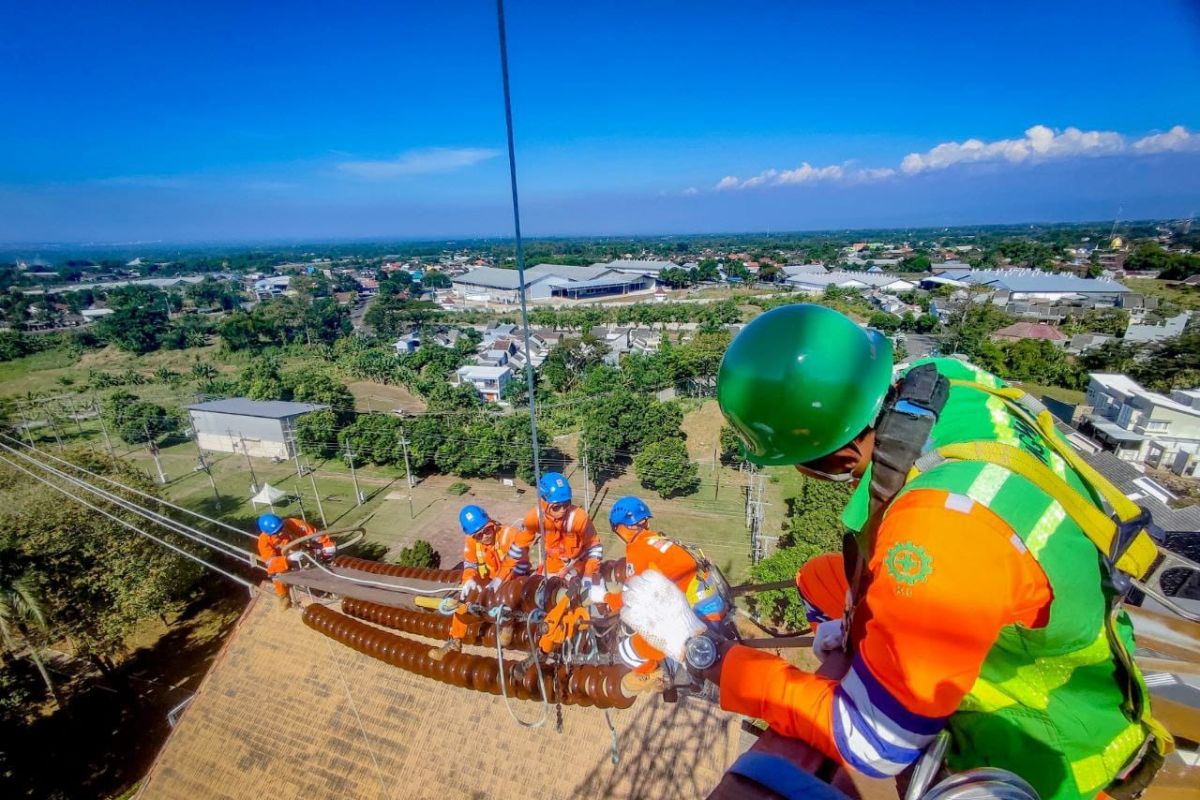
pixel 146 121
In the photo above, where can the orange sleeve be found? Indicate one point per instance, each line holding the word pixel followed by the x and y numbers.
pixel 513 546
pixel 470 565
pixel 946 574
pixel 591 550
pixel 270 555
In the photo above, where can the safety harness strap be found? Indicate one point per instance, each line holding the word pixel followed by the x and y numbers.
pixel 781 776
pixel 1126 542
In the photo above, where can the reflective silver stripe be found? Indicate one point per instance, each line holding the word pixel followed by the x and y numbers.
pixel 627 654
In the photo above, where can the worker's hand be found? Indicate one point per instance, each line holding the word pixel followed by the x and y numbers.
pixel 829 639
pixel 657 609
pixel 329 551
pixel 296 557
pixel 493 584
pixel 467 588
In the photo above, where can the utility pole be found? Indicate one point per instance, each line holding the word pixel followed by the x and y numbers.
pixel 312 475
pixel 153 447
pixel 103 427
pixel 716 470
pixel 204 466
pixel 358 495
pixel 249 463
pixel 587 485
pixel 407 469
pixel 54 427
pixel 300 500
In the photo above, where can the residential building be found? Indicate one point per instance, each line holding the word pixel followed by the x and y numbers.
pixel 406 344
pixel 1167 329
pixel 260 428
pixel 1030 330
pixel 1144 426
pixel 1082 342
pixel 488 380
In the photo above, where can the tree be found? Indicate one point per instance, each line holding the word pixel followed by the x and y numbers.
pixel 664 467
pixel 95 579
pixel 317 433
pixel 20 610
pixel 569 359
pixel 882 321
pixel 420 554
pixel 814 514
pixel 1172 363
pixel 435 280
pixel 313 385
pixel 138 320
pixel 917 262
pixel 138 421
pixel 782 606
pixel 731 446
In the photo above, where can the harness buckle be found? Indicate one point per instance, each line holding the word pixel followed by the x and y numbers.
pixel 1128 530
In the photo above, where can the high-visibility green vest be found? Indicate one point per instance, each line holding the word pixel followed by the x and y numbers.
pixel 1054 705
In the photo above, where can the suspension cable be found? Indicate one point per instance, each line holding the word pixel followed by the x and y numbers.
pixel 237 579
pixel 516 207
pixel 193 534
pixel 120 485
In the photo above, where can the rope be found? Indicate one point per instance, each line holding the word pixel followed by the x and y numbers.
pixel 367 582
pixel 251 586
pixel 504 683
pixel 516 207
pixel 614 746
pixel 354 707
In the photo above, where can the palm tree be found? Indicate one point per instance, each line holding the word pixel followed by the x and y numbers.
pixel 20 608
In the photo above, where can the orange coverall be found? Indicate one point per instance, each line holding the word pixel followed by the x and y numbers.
pixel 650 550
pixel 501 559
pixel 930 615
pixel 270 548
pixel 571 542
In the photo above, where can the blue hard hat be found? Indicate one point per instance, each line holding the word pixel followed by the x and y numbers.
pixel 553 488
pixel 629 511
pixel 270 524
pixel 473 519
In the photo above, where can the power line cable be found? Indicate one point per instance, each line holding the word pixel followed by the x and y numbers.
pixel 242 581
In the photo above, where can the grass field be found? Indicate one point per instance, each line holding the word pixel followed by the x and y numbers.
pixel 1180 295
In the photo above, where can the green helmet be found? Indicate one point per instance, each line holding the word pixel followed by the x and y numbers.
pixel 801 381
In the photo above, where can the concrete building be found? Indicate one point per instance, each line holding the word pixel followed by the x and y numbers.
pixel 489 381
pixel 260 428
pixel 1143 426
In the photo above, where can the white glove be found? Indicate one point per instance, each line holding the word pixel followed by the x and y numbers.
pixel 329 550
pixel 656 608
pixel 597 593
pixel 829 639
pixel 493 584
pixel 467 588
pixel 296 556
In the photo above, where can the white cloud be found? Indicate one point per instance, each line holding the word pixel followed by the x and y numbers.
pixel 872 174
pixel 1039 143
pixel 1176 140
pixel 807 173
pixel 728 182
pixel 690 191
pixel 419 162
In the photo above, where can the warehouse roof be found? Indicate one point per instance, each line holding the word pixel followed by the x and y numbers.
pixel 571 273
pixel 1033 280
pixel 604 282
pixel 244 407
pixel 496 278
pixel 630 265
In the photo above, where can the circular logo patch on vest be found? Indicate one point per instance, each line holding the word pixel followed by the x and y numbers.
pixel 908 563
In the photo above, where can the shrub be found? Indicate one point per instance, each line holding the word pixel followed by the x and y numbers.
pixel 421 554
pixel 458 488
